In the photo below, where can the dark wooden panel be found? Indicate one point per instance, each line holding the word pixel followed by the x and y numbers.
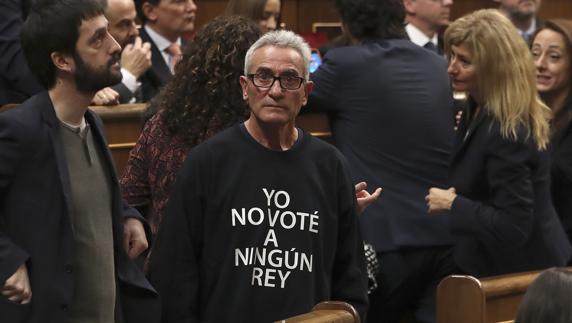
pixel 289 14
pixel 315 11
pixel 122 126
pixel 556 9
pixel 207 10
pixel 462 7
pixel 549 8
pixel 298 15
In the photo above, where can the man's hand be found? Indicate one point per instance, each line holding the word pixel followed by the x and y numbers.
pixel 364 199
pixel 440 200
pixel 106 96
pixel 134 239
pixel 136 57
pixel 17 287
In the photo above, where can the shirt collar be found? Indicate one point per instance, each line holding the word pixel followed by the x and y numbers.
pixel 161 42
pixel 78 129
pixel 418 37
pixel 526 34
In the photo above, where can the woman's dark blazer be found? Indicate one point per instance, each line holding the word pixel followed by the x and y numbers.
pixel 561 174
pixel 503 218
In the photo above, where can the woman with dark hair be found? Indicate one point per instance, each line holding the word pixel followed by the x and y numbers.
pixel 500 209
pixel 202 98
pixel 548 298
pixel 264 12
pixel 552 52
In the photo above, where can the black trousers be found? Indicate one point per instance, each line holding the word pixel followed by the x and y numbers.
pixel 408 282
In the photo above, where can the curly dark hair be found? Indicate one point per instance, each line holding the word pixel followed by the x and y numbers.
pixel 373 19
pixel 206 84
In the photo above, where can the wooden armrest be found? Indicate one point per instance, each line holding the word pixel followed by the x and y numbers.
pixel 120 111
pixel 462 298
pixel 327 312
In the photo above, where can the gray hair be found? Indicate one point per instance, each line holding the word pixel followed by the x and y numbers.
pixel 284 39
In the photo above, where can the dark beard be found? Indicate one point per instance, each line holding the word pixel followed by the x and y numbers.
pixel 521 16
pixel 90 80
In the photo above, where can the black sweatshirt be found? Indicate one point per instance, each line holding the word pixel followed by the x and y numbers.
pixel 255 235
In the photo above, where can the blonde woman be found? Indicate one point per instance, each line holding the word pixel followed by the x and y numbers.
pixel 500 208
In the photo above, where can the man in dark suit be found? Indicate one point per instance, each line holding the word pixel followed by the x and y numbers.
pixel 164 24
pixel 66 238
pixel 425 19
pixel 523 15
pixel 135 54
pixel 17 83
pixel 391 111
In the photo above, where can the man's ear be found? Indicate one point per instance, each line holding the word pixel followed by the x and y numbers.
pixel 409 6
pixel 62 62
pixel 149 11
pixel 307 90
pixel 244 84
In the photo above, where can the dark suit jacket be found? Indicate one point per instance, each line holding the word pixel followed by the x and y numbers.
pixel 17 82
pixel 561 174
pixel 35 223
pixel 125 95
pixel 157 76
pixel 391 112
pixel 503 218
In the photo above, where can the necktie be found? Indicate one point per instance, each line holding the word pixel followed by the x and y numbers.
pixel 431 46
pixel 174 50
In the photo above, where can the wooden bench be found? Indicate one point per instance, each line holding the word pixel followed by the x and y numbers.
pixel 495 299
pixel 327 312
pixel 123 124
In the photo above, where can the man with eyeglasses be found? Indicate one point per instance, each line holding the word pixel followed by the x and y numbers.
pixel 261 224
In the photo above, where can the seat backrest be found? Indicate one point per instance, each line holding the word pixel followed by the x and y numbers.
pixel 462 298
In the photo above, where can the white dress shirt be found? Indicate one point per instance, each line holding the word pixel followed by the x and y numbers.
pixel 418 37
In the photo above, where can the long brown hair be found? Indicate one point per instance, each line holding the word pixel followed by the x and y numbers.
pixel 563 117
